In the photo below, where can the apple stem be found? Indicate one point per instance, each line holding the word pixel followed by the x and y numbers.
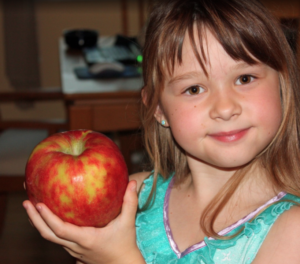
pixel 77 148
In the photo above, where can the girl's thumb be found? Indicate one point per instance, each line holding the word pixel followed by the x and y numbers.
pixel 130 203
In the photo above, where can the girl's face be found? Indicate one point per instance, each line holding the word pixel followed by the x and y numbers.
pixel 226 118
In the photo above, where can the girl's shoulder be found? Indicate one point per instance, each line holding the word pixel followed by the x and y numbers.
pixel 140 177
pixel 283 240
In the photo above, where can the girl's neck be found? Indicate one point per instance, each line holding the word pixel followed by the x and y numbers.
pixel 204 182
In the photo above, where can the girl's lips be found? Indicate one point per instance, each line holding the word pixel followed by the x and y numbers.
pixel 230 136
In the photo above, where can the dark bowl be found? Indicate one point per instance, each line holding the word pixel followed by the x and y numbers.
pixel 81 38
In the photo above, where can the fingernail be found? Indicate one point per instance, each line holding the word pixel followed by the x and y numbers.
pixel 39 208
pixel 133 187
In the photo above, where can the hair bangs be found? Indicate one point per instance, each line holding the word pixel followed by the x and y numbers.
pixel 171 44
pixel 241 32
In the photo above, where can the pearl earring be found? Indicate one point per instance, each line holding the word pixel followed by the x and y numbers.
pixel 163 122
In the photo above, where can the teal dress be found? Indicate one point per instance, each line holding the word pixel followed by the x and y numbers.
pixel 155 240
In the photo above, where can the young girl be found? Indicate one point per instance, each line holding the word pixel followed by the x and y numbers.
pixel 221 125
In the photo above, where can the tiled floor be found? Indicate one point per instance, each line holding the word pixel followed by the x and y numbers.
pixel 20 243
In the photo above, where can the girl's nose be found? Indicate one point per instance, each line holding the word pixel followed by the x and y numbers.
pixel 225 106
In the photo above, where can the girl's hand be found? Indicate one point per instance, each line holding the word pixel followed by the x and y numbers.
pixel 114 243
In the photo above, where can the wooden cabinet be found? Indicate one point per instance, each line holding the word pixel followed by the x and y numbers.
pixel 105 115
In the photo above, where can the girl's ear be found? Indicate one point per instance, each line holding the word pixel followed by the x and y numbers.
pixel 160 117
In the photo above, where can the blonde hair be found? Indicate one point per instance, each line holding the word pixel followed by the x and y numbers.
pixel 245 29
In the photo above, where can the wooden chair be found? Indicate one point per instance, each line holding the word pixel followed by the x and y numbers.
pixel 17 140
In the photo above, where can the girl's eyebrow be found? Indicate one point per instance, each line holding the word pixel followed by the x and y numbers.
pixel 185 76
pixel 243 64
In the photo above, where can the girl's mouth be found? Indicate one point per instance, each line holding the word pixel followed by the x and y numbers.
pixel 230 136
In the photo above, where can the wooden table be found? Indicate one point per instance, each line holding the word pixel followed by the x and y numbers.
pixel 101 105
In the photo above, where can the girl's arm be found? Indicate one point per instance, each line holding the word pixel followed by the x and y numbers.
pixel 115 243
pixel 282 244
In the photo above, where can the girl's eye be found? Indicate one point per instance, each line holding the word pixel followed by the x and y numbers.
pixel 193 90
pixel 244 79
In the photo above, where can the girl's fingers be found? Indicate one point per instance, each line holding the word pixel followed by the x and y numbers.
pixel 63 230
pixel 76 240
pixel 38 221
pixel 130 204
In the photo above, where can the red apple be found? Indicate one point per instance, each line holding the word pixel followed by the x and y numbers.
pixel 80 175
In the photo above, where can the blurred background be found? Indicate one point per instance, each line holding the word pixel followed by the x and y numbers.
pixel 36 100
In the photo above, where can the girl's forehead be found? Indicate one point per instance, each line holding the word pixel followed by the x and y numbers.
pixel 201 54
pixel 205 53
